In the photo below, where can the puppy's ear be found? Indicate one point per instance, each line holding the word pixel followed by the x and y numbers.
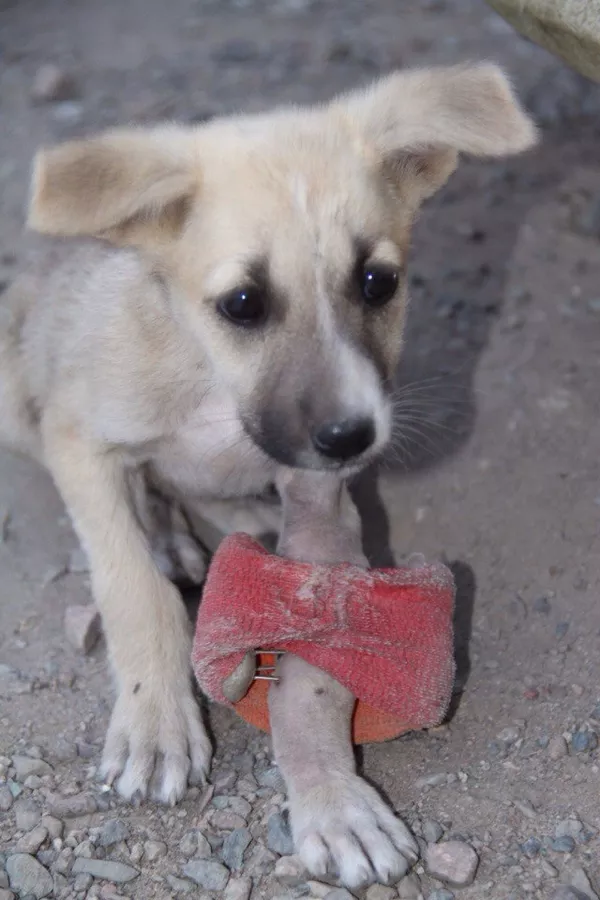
pixel 127 186
pixel 417 122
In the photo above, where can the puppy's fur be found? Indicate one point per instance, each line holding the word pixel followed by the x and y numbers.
pixel 120 374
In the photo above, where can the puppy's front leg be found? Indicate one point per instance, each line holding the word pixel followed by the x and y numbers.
pixel 156 738
pixel 340 824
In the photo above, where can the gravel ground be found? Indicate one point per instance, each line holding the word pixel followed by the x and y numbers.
pixel 496 470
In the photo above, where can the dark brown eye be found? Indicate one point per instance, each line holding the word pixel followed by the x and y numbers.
pixel 245 306
pixel 378 283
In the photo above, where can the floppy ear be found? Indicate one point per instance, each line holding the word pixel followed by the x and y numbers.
pixel 126 185
pixel 417 122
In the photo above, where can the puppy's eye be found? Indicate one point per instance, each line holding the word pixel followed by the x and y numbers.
pixel 246 306
pixel 378 283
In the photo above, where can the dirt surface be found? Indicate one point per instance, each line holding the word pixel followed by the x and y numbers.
pixel 496 466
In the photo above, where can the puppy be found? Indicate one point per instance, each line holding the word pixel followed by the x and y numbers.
pixel 233 305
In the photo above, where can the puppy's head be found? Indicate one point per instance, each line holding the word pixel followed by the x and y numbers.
pixel 283 239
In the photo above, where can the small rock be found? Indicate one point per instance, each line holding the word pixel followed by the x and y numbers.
pixel 6 895
pixel 240 806
pixel 234 846
pixel 193 843
pixel 113 832
pixel 261 861
pixel 27 876
pixel 82 883
pixel 154 850
pixel 226 820
pixel 225 781
pixel 557 748
pixel 542 605
pixel 105 870
pixel 441 894
pixel 339 894
pixel 238 889
pixel 68 807
pixel 82 627
pixel 27 814
pixel 584 741
pixel 409 888
pixel 32 841
pixel 270 778
pixel 564 844
pixel 136 854
pixel 85 849
pixel 525 808
pixel 453 862
pixel 52 84
pixel 531 847
pixel 279 836
pixel 509 736
pixel 180 885
pixel 207 874
pixel 6 798
pixel 64 861
pixel 26 766
pixel 434 780
pixel 380 892
pixel 572 827
pixel 432 831
pixel 291 871
pixel 561 630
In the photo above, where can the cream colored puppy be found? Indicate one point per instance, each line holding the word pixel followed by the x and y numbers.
pixel 237 305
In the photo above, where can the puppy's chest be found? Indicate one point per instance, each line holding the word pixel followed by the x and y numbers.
pixel 212 456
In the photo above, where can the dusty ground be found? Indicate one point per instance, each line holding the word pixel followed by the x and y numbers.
pixel 497 463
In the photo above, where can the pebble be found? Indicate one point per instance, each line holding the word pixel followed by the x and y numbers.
pixel 207 873
pixel 234 846
pixel 409 888
pixel 290 870
pixel 113 832
pixel 441 894
pixel 82 627
pixel 225 781
pixel 453 862
pixel 432 831
pixel 76 805
pixel 52 84
pixel 180 885
pixel 26 766
pixel 431 780
pixel 270 778
pixel 193 843
pixel 508 736
pixel 32 841
pixel 226 820
pixel 84 849
pixel 279 836
pixel 106 870
pixel 531 847
pixel 339 894
pixel 27 814
pixel 64 862
pixel 542 605
pixel 6 798
pixel 380 892
pixel 6 894
pixel 27 876
pixel 83 882
pixel 584 741
pixel 154 850
pixel 238 889
pixel 261 861
pixel 557 748
pixel 571 827
pixel 525 808
pixel 564 844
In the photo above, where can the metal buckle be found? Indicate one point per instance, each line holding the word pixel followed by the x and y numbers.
pixel 262 672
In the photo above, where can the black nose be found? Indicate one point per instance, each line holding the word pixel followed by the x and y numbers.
pixel 344 440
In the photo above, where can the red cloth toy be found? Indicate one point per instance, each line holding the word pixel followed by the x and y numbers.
pixel 386 634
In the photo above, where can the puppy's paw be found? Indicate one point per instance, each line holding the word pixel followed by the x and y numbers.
pixel 156 743
pixel 343 828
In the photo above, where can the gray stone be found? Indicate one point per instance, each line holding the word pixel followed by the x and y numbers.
pixel 238 889
pixel 105 869
pixel 270 778
pixel 261 861
pixel 584 741
pixel 33 840
pixel 339 894
pixel 76 805
pixel 380 892
pixel 279 836
pixel 6 798
pixel 441 894
pixel 225 781
pixel 27 814
pixel 27 876
pixel 226 820
pixel 113 832
pixel 453 862
pixel 154 850
pixel 557 748
pixel 566 892
pixel 207 873
pixel 193 843
pixel 180 885
pixel 409 888
pixel 291 871
pixel 571 827
pixel 64 861
pixel 432 831
pixel 564 844
pixel 83 882
pixel 6 894
pixel 26 766
pixel 234 846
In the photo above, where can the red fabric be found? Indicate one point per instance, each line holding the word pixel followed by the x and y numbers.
pixel 386 634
